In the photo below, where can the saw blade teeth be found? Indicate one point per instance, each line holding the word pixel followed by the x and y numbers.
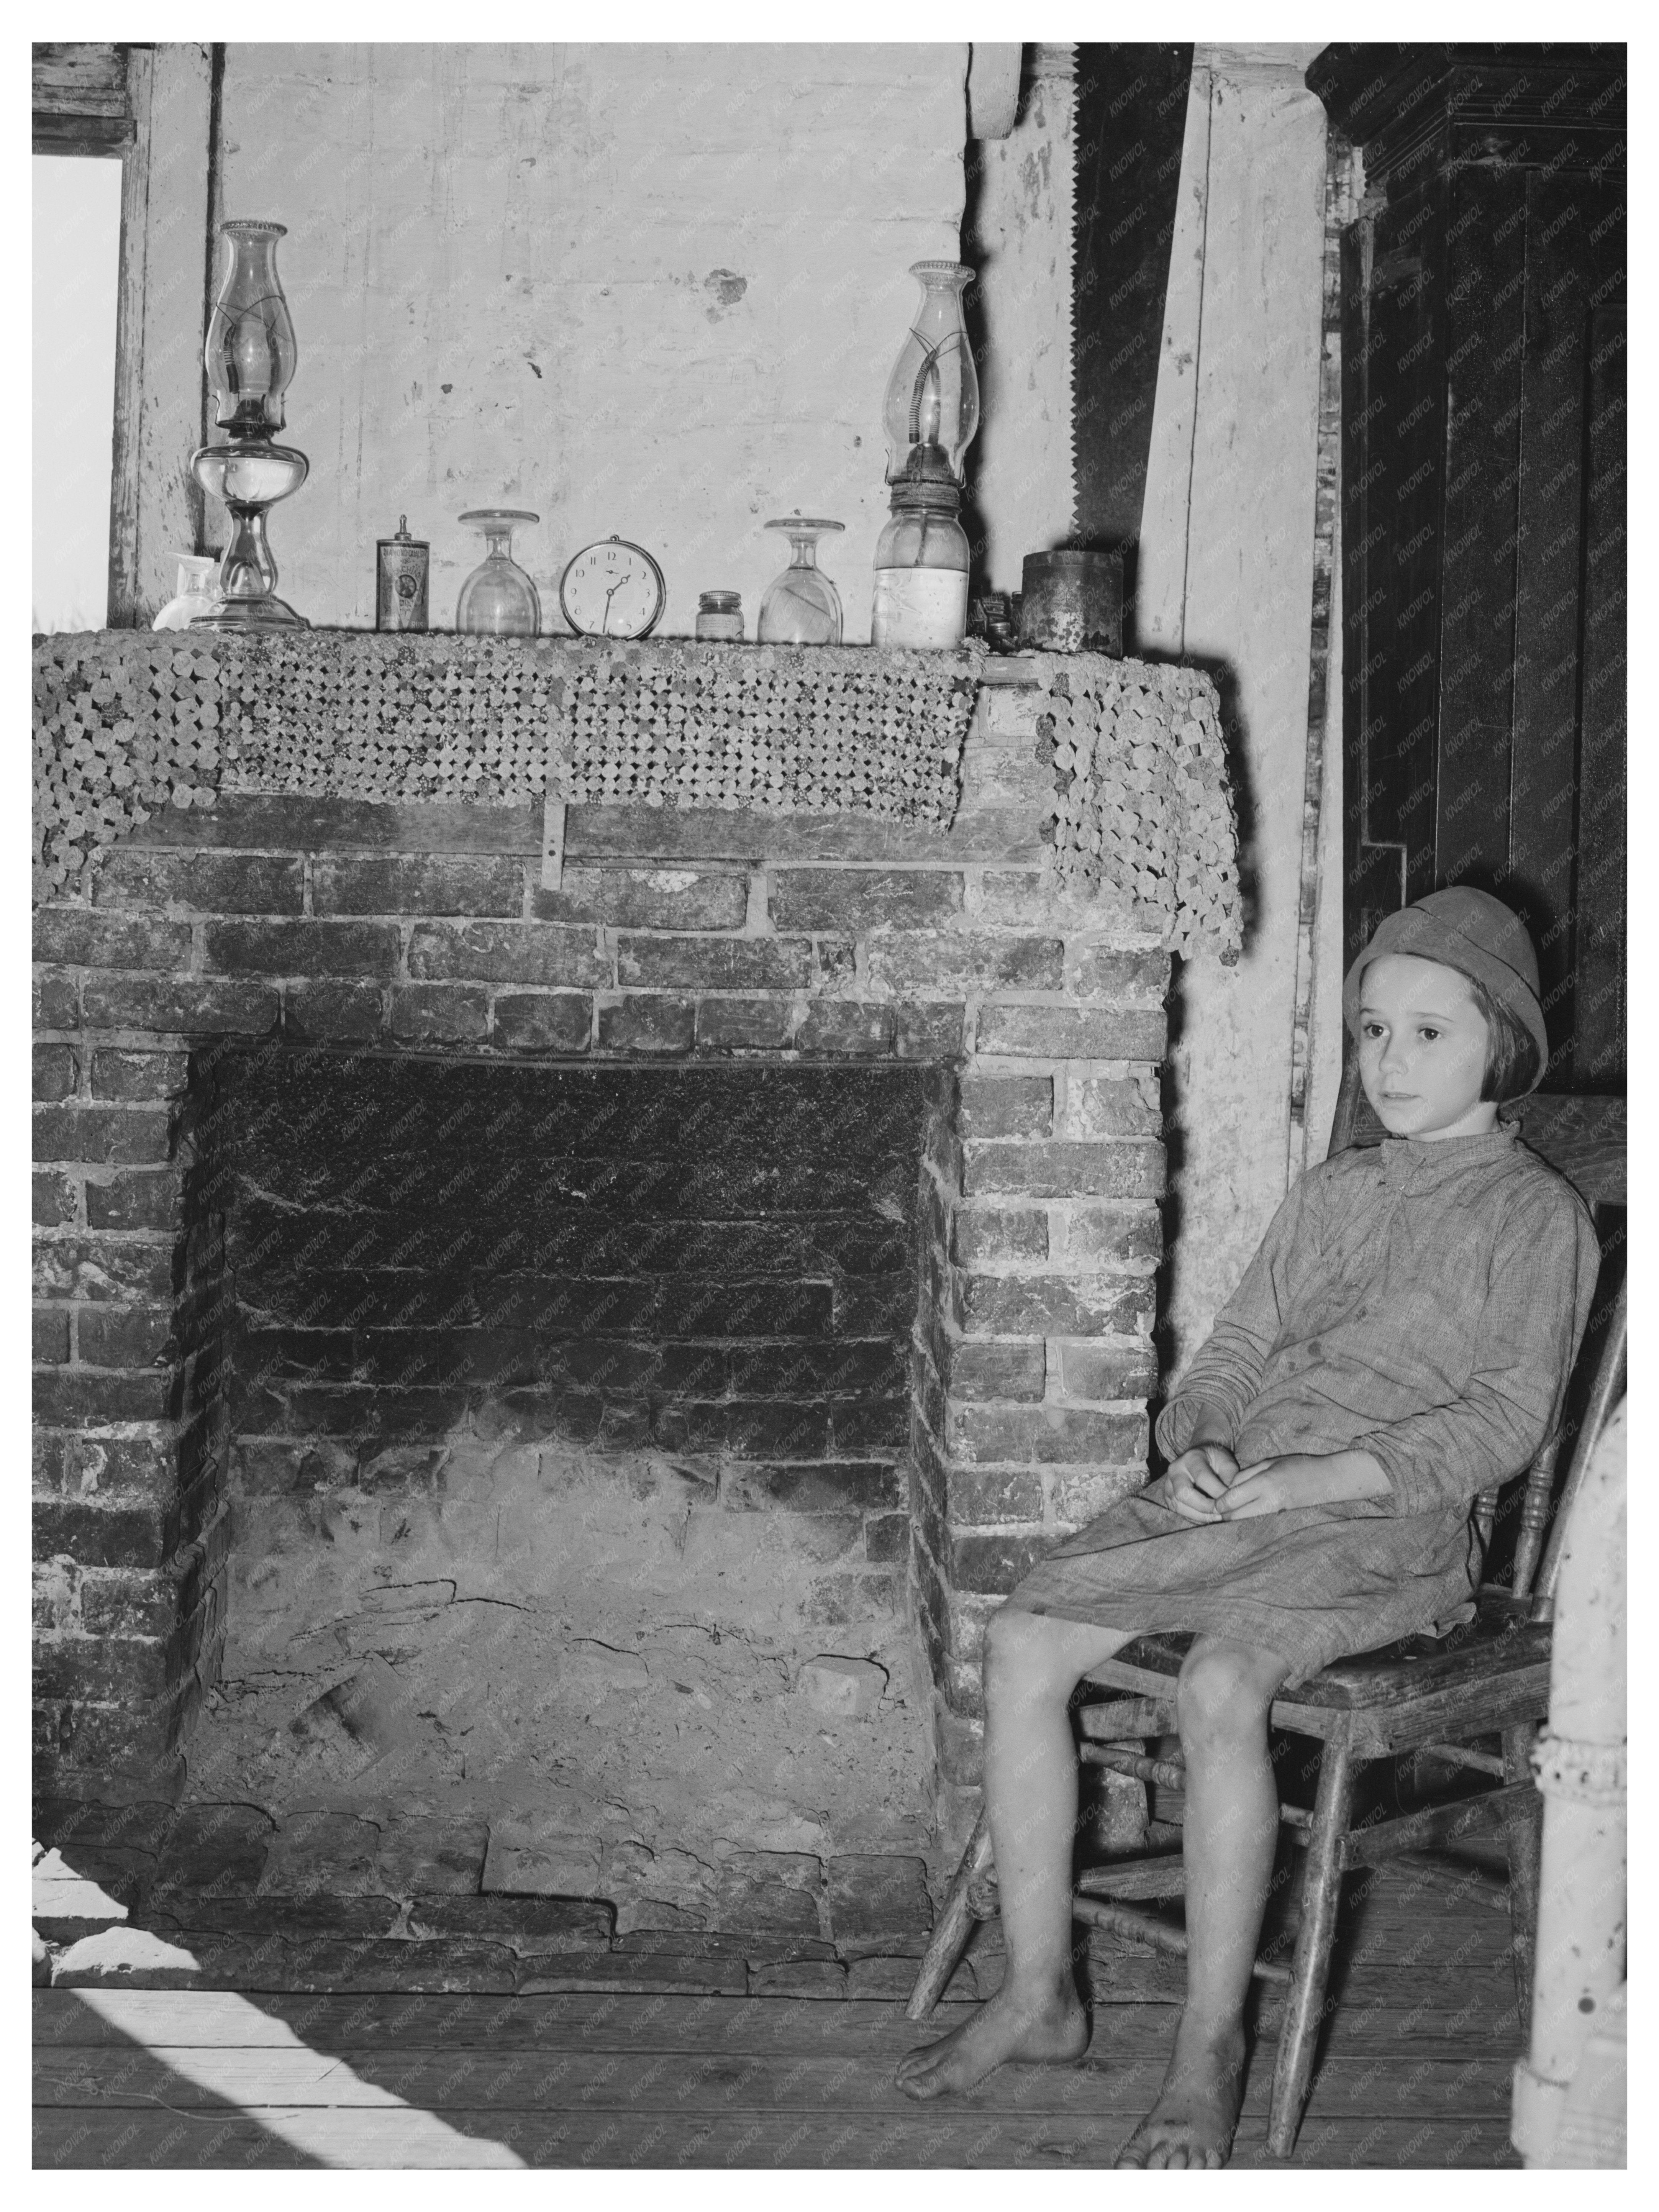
pixel 1129 120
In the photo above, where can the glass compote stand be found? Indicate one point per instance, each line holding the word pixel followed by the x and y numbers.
pixel 801 606
pixel 498 599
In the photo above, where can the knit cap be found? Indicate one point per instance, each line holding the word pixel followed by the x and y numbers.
pixel 1475 933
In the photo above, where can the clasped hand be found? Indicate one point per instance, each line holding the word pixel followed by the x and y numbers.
pixel 1206 1482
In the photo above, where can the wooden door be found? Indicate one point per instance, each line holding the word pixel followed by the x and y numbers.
pixel 1483 469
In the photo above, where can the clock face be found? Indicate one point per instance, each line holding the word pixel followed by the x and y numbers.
pixel 612 589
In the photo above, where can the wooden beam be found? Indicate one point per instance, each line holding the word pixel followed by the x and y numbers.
pixel 99 136
pixel 79 99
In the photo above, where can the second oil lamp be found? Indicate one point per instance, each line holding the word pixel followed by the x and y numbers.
pixel 930 414
pixel 251 355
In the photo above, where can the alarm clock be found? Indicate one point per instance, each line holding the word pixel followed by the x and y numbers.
pixel 612 589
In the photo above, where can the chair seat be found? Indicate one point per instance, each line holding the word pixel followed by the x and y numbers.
pixel 1500 1639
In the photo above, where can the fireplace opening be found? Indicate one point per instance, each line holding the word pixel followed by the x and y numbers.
pixel 567 1415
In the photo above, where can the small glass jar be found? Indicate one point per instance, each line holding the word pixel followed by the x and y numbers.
pixel 719 617
pixel 921 598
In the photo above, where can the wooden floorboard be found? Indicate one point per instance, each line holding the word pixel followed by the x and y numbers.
pixel 1445 2029
pixel 1414 2071
pixel 287 2137
pixel 638 2081
pixel 187 2078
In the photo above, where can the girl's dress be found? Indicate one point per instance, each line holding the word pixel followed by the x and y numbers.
pixel 1419 1300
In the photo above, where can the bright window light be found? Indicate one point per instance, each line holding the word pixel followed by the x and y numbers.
pixel 77 244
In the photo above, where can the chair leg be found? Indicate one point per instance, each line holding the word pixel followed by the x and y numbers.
pixel 1321 1886
pixel 956 1923
pixel 1523 1841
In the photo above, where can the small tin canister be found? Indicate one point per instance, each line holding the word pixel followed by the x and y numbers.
pixel 1072 602
pixel 400 575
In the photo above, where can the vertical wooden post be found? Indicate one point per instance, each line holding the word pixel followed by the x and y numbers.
pixel 161 311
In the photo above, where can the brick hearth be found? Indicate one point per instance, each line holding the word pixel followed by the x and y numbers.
pixel 717 938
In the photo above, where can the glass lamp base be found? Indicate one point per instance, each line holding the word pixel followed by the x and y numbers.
pixel 267 613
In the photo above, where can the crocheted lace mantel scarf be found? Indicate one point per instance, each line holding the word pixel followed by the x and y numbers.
pixel 126 721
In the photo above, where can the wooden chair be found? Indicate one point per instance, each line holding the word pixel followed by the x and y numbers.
pixel 1489 1680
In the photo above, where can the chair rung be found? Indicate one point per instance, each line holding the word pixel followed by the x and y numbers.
pixel 1486 1762
pixel 1122 1716
pixel 1162 1876
pixel 1166 1773
pixel 1434 1824
pixel 1127 1920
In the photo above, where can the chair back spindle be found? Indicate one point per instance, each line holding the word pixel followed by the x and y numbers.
pixel 1609 1385
pixel 1486 1518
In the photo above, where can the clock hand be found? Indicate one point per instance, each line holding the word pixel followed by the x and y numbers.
pixel 604 627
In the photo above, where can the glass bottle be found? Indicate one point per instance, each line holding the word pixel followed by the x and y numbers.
pixel 801 606
pixel 498 599
pixel 719 617
pixel 193 592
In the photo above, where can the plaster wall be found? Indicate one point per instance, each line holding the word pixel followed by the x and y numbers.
pixel 1018 236
pixel 1226 581
pixel 651 291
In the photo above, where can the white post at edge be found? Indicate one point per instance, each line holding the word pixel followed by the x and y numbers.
pixel 1578 1978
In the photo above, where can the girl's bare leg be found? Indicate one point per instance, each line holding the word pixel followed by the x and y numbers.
pixel 1032 1664
pixel 1231 1827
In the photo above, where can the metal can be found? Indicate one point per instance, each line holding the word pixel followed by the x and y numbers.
pixel 401 564
pixel 1073 602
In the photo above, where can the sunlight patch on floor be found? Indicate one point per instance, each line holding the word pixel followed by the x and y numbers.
pixel 386 2130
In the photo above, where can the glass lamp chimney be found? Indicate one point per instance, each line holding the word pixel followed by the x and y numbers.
pixel 250 353
pixel 932 408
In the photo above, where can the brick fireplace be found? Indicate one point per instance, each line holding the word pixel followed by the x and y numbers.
pixel 716 947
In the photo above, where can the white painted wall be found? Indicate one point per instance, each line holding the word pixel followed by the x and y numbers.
pixel 651 291
pixel 1226 580
pixel 1020 205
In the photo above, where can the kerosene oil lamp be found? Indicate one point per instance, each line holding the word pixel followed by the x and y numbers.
pixel 930 414
pixel 251 355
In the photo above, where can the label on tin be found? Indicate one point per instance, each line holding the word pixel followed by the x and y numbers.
pixel 919 607
pixel 400 583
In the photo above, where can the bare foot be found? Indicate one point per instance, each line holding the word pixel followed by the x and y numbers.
pixel 1049 2030
pixel 1192 2121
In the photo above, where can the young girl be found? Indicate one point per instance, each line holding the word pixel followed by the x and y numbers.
pixel 1401 1340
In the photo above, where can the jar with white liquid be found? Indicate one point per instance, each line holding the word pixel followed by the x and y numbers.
pixel 921 573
